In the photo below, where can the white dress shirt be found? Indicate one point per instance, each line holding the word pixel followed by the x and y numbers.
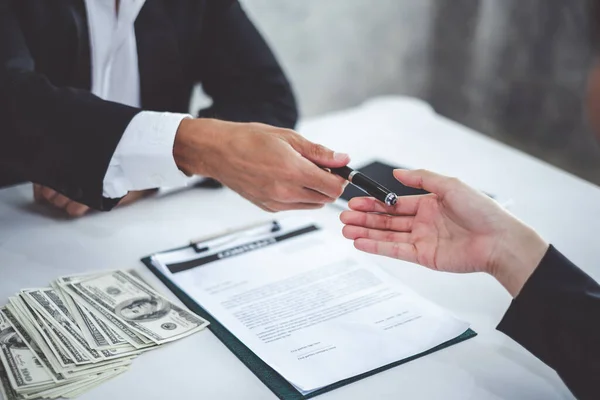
pixel 144 156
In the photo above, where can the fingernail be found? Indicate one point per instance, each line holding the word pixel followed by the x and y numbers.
pixel 340 156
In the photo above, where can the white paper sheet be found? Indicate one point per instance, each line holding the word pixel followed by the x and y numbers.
pixel 312 308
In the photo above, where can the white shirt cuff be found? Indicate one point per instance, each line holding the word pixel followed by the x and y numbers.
pixel 144 156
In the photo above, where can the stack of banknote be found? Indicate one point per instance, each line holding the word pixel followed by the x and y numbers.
pixel 63 340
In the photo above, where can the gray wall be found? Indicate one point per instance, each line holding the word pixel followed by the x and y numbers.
pixel 512 69
pixel 340 52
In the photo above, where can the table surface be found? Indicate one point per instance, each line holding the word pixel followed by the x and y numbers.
pixel 38 245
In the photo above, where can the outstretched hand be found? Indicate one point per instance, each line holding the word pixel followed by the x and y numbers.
pixel 276 169
pixel 454 228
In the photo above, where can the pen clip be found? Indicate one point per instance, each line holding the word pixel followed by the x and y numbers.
pixel 204 244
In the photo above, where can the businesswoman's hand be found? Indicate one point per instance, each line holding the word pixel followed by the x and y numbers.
pixel 454 228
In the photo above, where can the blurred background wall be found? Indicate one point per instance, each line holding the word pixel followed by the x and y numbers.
pixel 512 69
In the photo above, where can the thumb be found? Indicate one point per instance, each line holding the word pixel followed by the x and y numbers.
pixel 426 180
pixel 321 155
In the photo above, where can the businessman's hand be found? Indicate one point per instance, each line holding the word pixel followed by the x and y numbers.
pixel 274 168
pixel 454 229
pixel 45 195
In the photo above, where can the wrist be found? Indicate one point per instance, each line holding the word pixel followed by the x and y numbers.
pixel 517 256
pixel 195 138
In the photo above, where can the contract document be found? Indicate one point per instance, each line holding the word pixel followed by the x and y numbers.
pixel 307 303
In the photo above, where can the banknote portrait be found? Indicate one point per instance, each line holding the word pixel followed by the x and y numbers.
pixel 145 309
pixel 9 338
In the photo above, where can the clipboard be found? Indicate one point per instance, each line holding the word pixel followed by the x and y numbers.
pixel 272 379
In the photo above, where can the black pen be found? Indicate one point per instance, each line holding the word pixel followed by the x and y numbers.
pixel 367 185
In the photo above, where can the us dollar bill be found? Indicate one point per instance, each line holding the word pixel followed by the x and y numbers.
pixel 36 337
pixel 53 310
pixel 65 359
pixel 6 390
pixel 139 307
pixel 57 354
pixel 58 300
pixel 63 340
pixel 72 348
pixel 24 370
pixel 130 336
pixel 119 358
pixel 32 323
pixel 32 345
pixel 98 335
pixel 113 338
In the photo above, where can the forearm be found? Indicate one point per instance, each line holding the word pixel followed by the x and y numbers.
pixel 517 254
pixel 195 138
pixel 556 317
pixel 554 314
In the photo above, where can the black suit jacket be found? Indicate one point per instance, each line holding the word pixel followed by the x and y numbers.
pixel 557 318
pixel 53 131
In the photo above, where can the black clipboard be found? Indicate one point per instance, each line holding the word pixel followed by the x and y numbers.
pixel 271 378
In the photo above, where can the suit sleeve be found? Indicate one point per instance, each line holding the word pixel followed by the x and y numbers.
pixel 557 318
pixel 239 71
pixel 59 137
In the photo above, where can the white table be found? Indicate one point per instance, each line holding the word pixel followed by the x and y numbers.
pixel 38 247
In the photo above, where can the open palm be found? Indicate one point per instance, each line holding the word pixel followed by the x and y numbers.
pixel 455 228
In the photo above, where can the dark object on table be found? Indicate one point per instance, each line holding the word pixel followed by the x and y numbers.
pixel 382 173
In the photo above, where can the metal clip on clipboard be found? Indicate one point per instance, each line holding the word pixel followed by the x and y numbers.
pixel 223 238
pixel 231 243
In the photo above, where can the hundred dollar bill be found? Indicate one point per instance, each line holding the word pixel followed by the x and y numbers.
pixel 29 318
pixel 65 347
pixel 117 325
pixel 106 353
pixel 139 307
pixel 56 335
pixel 121 360
pixel 6 390
pixel 22 367
pixel 98 335
pixel 36 337
pixel 32 345
pixel 89 330
pixel 36 329
pixel 85 371
pixel 113 338
pixel 64 356
pixel 59 301
pixel 53 310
